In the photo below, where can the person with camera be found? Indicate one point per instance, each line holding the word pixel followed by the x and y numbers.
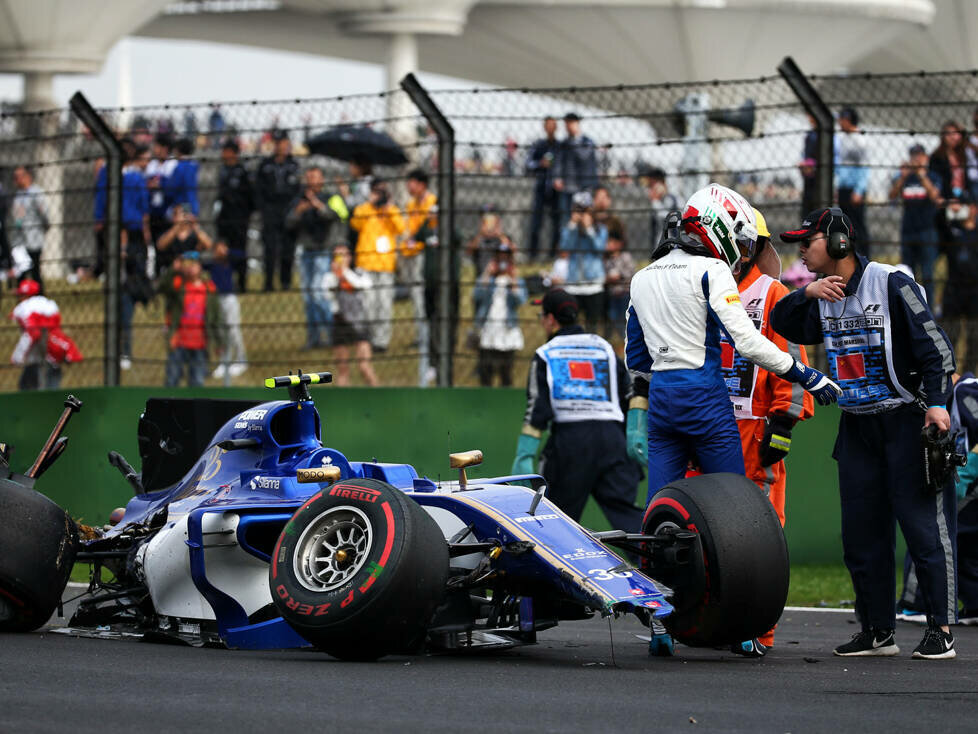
pixel 484 244
pixel 583 241
pixel 960 306
pixel 379 227
pixel 499 292
pixel 919 191
pixel 310 221
pixel 894 366
pixel 576 388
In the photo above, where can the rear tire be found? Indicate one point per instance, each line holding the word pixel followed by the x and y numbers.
pixel 738 590
pixel 38 543
pixel 359 570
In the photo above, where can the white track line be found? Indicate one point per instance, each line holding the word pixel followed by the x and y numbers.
pixel 818 609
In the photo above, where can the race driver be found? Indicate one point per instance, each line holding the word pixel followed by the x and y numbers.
pixel 766 406
pixel 679 305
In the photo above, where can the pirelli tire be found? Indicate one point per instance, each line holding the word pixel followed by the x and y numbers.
pixel 737 589
pixel 359 570
pixel 38 543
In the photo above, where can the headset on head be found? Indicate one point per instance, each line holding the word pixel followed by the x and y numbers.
pixel 838 244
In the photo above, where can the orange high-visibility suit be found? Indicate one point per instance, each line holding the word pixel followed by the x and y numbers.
pixel 758 394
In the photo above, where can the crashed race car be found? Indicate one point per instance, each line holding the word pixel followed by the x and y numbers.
pixel 245 531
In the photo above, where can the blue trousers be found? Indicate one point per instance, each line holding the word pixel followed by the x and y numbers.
pixel 691 423
pixel 881 482
pixel 319 316
pixel 195 361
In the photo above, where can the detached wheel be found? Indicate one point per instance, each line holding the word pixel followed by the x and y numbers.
pixel 738 589
pixel 38 543
pixel 359 570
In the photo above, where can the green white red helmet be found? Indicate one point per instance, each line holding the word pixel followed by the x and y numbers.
pixel 718 218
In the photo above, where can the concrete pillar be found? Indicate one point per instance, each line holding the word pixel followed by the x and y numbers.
pixel 38 91
pixel 402 59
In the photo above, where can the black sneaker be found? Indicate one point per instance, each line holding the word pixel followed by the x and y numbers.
pixel 936 645
pixel 872 642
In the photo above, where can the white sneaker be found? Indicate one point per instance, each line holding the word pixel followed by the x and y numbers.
pixel 219 372
pixel 238 368
pixel 430 376
pixel 125 363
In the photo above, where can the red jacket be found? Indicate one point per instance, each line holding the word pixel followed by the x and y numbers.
pixel 39 318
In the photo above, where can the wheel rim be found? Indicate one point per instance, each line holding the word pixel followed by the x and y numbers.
pixel 333 548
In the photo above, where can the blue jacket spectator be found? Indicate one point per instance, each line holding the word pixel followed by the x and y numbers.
pixel 576 166
pixel 181 186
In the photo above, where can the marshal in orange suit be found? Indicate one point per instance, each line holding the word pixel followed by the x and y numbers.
pixel 767 407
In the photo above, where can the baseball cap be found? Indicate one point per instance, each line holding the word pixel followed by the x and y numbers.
pixel 761 224
pixel 572 117
pixel 582 199
pixel 917 148
pixel 28 287
pixel 825 220
pixel 191 255
pixel 561 304
pixel 850 114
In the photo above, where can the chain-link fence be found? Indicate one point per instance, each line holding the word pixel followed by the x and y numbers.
pixel 638 151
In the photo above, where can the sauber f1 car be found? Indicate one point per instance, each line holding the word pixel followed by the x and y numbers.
pixel 245 531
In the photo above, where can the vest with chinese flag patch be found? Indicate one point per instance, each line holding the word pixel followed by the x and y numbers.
pixel 582 376
pixel 858 345
pixel 739 373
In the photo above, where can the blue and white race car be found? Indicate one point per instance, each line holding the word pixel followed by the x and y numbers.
pixel 245 531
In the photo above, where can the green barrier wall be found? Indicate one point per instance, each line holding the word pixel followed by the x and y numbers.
pixel 420 427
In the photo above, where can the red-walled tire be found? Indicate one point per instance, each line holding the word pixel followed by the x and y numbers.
pixel 359 570
pixel 38 543
pixel 739 590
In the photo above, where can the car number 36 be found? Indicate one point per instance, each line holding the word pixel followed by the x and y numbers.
pixel 600 574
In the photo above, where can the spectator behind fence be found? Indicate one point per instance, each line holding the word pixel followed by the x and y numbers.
pixel 28 218
pixel 136 287
pixel 619 267
pixel 157 174
pixel 346 288
pixel 584 241
pixel 233 207
pixel 43 347
pixel 184 235
pixel 918 190
pixel 661 201
pixel 576 166
pixel 960 300
pixel 951 161
pixel 379 225
pixel 193 320
pixel 852 175
pixel 310 222
pixel 499 292
pixel 604 213
pixel 484 244
pixel 234 361
pixel 808 167
pixel 422 225
pixel 181 186
pixel 276 185
pixel 540 164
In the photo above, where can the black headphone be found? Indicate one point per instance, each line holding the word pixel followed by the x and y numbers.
pixel 838 244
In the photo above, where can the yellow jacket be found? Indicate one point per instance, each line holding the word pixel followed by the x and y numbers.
pixel 419 213
pixel 378 232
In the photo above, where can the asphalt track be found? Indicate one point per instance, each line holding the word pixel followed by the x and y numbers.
pixel 573 680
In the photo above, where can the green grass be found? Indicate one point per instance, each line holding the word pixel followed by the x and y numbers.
pixel 811 586
pixel 826 585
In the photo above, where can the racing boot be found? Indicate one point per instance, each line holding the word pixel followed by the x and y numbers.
pixel 661 644
pixel 749 648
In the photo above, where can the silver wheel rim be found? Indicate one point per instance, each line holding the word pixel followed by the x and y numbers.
pixel 333 548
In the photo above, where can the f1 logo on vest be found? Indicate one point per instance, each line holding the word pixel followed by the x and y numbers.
pixel 850 366
pixel 580 370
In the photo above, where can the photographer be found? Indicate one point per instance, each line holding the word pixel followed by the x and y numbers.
pixel 585 240
pixel 893 364
pixel 498 295
pixel 482 246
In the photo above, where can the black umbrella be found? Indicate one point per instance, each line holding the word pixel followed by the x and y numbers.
pixel 348 142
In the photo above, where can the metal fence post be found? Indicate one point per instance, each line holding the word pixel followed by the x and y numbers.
pixel 824 127
pixel 446 220
pixel 113 232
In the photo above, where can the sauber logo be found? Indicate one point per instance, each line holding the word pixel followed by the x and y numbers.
pixel 265 483
pixel 531 518
pixel 361 494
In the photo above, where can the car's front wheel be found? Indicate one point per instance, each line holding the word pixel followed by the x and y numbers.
pixel 359 570
pixel 737 589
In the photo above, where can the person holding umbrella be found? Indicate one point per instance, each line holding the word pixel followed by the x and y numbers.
pixel 379 227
